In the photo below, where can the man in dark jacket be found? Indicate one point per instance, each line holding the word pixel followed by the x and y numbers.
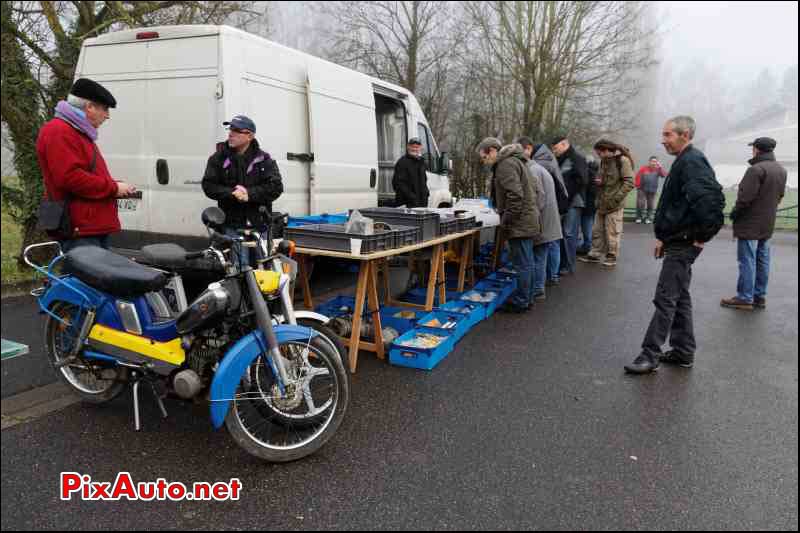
pixel 514 196
pixel 587 217
pixel 575 172
pixel 689 214
pixel 243 179
pixel 760 192
pixel 410 180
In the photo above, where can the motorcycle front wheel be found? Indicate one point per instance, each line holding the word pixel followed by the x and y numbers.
pixel 282 427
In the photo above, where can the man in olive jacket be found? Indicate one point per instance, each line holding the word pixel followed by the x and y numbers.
pixel 689 214
pixel 614 182
pixel 515 199
pixel 760 192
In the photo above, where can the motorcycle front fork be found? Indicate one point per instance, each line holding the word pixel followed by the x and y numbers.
pixel 264 322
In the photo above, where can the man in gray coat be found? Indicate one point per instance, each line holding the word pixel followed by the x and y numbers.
pixel 760 192
pixel 546 246
pixel 515 199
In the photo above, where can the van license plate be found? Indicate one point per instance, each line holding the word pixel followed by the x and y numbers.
pixel 127 204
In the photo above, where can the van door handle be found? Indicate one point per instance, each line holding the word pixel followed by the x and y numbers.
pixel 304 158
pixel 162 171
pixel 373 178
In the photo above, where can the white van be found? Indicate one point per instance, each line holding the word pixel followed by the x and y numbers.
pixel 334 132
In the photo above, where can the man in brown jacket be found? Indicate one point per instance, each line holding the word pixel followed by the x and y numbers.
pixel 514 197
pixel 614 182
pixel 760 192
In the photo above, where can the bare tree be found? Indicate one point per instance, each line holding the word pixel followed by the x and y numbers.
pixel 41 42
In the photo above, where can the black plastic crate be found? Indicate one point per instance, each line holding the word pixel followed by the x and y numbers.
pixel 406 235
pixel 427 221
pixel 448 226
pixel 465 223
pixel 333 237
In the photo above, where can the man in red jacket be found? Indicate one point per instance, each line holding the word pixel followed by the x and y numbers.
pixel 74 170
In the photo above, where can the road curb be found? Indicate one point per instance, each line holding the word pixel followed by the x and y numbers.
pixel 30 405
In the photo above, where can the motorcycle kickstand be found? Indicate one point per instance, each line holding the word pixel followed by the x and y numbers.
pixel 137 379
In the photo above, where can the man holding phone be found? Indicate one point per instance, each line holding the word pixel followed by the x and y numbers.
pixel 689 214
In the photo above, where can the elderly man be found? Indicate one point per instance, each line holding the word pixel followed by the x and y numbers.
pixel 689 214
pixel 410 180
pixel 75 172
pixel 760 192
pixel 514 197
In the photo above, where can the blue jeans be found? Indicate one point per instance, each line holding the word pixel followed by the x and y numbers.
pixel 753 269
pixel 587 221
pixel 571 225
pixel 522 260
pixel 98 240
pixel 553 260
pixel 540 256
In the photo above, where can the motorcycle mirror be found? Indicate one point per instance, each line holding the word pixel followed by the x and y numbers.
pixel 213 217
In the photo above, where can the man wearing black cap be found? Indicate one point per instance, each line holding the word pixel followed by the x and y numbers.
pixel 760 192
pixel 75 174
pixel 410 181
pixel 242 178
pixel 575 172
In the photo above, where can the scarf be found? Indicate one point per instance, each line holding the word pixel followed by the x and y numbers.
pixel 76 119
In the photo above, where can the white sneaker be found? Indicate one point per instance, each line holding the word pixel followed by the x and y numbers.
pixel 648 221
pixel 638 220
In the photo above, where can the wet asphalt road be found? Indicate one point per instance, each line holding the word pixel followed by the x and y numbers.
pixel 529 424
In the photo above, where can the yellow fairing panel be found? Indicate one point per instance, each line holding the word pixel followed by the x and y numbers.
pixel 268 281
pixel 171 351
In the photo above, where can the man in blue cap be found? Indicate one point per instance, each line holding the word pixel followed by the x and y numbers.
pixel 242 178
pixel 760 192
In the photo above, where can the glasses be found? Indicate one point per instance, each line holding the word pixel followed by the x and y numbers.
pixel 240 131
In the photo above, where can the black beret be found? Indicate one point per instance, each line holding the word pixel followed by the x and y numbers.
pixel 765 144
pixel 557 139
pixel 91 90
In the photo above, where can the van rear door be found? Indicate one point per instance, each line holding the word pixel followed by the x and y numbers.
pixel 343 135
pixel 166 88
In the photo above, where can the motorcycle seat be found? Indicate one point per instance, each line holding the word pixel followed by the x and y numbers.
pixel 167 255
pixel 113 273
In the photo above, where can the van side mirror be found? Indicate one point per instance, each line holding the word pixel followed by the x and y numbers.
pixel 162 171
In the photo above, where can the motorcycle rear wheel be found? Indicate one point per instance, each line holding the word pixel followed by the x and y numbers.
pixel 94 383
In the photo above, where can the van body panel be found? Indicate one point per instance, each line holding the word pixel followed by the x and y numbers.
pixel 316 119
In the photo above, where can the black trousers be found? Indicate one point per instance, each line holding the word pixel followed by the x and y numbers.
pixel 673 314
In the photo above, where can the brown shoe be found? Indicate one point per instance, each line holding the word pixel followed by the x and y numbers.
pixel 736 303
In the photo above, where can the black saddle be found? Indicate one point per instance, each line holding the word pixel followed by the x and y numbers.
pixel 112 273
pixel 170 256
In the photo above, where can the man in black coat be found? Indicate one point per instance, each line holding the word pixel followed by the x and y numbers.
pixel 575 172
pixel 243 179
pixel 760 192
pixel 410 180
pixel 689 214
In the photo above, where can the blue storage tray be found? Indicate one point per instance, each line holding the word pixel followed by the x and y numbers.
pixel 402 325
pixel 476 312
pixel 443 316
pixel 421 358
pixel 333 308
pixel 325 218
pixel 418 295
pixel 502 276
pixel 491 306
pixel 504 290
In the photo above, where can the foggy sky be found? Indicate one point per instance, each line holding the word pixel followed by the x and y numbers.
pixel 742 37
